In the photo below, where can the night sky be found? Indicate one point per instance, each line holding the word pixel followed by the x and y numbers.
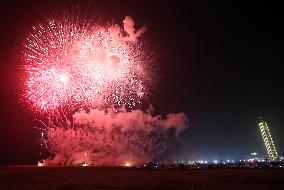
pixel 220 64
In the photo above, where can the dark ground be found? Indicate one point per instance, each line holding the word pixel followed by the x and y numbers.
pixel 126 178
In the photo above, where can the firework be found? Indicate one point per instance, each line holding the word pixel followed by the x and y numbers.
pixel 98 74
pixel 69 63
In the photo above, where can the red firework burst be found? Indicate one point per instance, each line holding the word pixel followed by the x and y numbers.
pixel 67 62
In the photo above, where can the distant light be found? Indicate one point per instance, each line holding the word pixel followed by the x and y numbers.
pixel 85 153
pixel 205 162
pixel 228 160
pixel 85 164
pixel 215 161
pixel 127 164
pixel 41 134
pixel 39 164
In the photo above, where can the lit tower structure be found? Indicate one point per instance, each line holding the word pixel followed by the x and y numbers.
pixel 267 139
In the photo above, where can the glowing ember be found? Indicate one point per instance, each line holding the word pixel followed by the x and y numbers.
pixel 68 62
pixel 127 164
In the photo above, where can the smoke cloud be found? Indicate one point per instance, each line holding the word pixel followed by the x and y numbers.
pixel 132 35
pixel 112 137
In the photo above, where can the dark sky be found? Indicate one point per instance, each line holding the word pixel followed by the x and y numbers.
pixel 221 64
